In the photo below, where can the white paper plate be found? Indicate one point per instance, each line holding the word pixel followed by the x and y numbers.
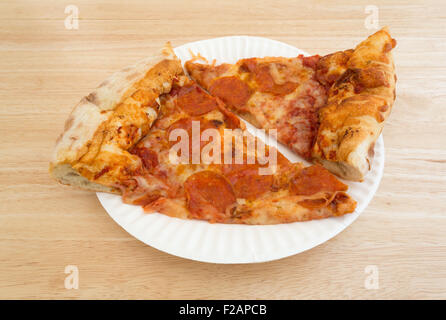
pixel 220 243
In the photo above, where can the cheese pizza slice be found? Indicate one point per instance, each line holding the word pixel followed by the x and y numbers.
pixel 328 109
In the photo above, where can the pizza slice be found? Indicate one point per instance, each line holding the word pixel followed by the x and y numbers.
pixel 271 93
pixel 144 149
pixel 327 109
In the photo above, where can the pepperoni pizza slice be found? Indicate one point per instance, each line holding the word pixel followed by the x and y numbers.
pixel 230 188
pixel 271 93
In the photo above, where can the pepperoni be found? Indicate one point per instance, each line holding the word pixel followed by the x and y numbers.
pixel 149 157
pixel 246 181
pixel 209 195
pixel 186 124
pixel 231 90
pixel 183 123
pixel 315 179
pixel 265 80
pixel 193 100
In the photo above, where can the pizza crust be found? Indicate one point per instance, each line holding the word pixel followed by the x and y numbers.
pixel 359 102
pixel 91 153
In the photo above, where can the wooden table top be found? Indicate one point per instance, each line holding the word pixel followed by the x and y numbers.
pixel 46 68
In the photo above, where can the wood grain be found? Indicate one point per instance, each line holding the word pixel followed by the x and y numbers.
pixel 45 69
